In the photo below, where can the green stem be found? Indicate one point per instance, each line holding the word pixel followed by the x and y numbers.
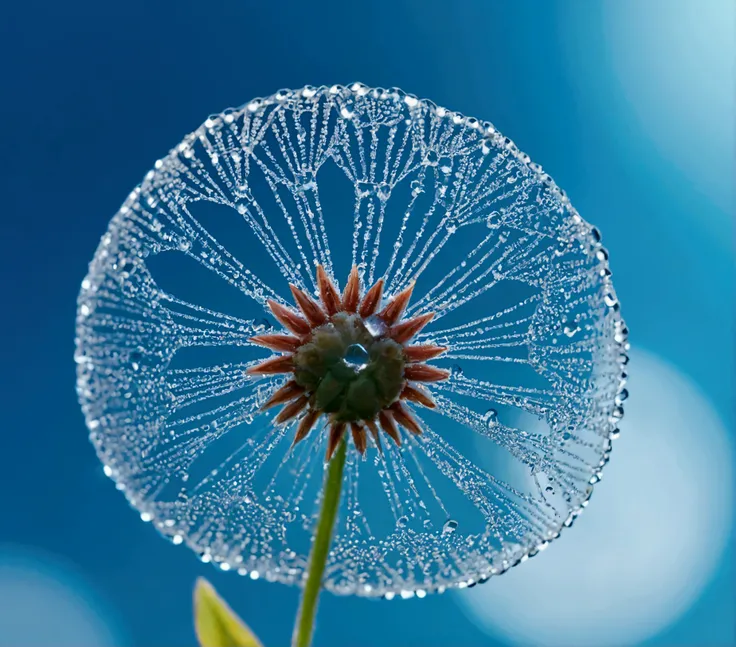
pixel 320 549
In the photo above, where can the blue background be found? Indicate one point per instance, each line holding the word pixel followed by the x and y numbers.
pixel 633 119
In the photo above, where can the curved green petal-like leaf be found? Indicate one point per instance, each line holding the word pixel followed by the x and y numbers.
pixel 216 623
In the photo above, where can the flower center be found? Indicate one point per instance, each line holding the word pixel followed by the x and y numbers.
pixel 351 373
pixel 349 361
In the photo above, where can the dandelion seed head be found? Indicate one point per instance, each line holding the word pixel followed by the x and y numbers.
pixel 248 294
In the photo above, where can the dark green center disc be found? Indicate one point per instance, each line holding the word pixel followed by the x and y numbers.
pixel 352 373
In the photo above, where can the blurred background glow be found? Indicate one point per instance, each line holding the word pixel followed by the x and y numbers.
pixel 649 541
pixel 665 64
pixel 43 603
pixel 677 58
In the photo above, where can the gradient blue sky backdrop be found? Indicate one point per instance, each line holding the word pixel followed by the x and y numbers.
pixel 629 104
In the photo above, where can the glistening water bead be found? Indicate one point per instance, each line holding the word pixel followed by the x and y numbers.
pixel 483 466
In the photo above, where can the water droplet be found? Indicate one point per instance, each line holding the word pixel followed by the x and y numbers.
pixel 570 328
pixel 375 326
pixel 383 191
pixel 403 522
pixel 449 527
pixel 262 324
pixel 456 369
pixel 417 187
pixel 126 268
pixel 135 360
pixel 364 189
pixel 621 334
pixel 356 356
pixel 491 417
pixel 431 158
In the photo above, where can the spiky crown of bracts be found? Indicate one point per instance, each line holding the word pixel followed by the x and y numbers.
pixel 349 362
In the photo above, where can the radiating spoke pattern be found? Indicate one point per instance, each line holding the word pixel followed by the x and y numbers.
pixel 192 290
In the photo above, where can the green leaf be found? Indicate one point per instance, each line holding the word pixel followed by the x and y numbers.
pixel 215 622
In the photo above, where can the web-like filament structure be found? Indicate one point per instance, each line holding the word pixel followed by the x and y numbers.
pixel 256 199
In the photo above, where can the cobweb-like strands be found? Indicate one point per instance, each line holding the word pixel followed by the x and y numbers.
pixel 255 200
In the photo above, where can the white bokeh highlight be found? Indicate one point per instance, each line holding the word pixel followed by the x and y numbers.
pixel 44 604
pixel 679 97
pixel 694 82
pixel 648 542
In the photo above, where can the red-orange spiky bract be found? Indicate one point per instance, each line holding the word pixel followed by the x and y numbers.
pixel 300 402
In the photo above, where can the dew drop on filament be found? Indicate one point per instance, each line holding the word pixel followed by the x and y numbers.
pixel 491 417
pixel 449 527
